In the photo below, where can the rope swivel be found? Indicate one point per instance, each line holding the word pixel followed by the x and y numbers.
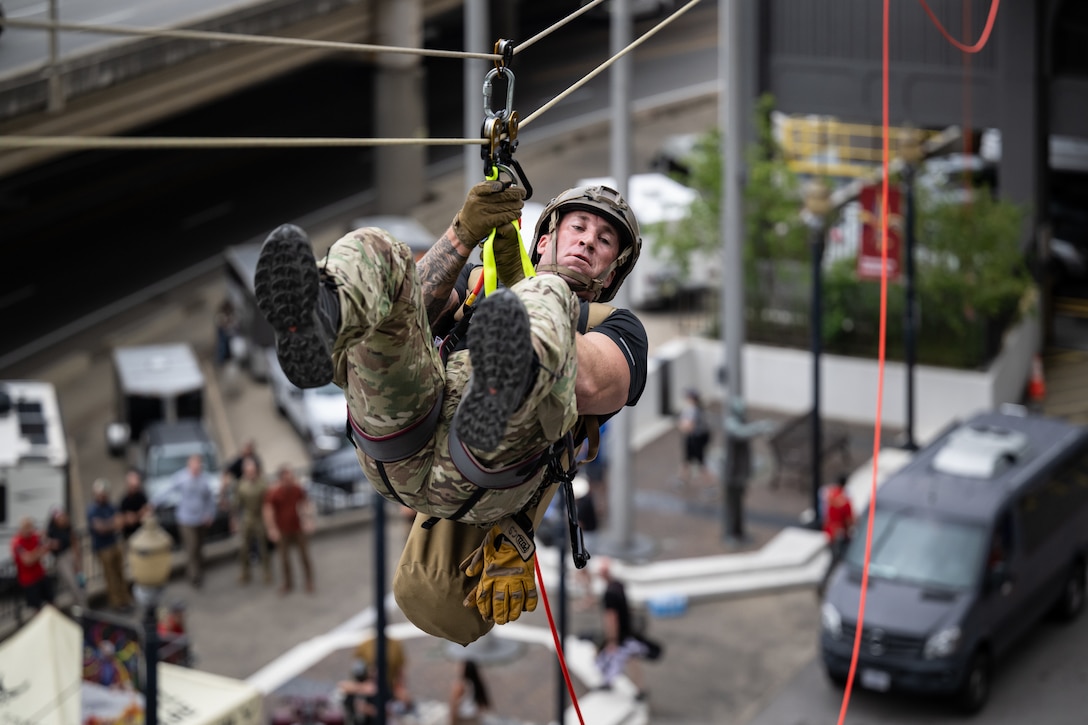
pixel 500 126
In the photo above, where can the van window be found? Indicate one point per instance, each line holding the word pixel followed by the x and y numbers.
pixel 1001 543
pixel 1046 508
pixel 191 405
pixel 169 464
pixel 923 550
pixel 142 411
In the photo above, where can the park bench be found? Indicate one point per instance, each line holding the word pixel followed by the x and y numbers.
pixel 791 446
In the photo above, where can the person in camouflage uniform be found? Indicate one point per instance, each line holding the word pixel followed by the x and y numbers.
pixel 463 440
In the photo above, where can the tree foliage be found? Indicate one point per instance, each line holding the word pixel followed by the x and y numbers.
pixel 971 272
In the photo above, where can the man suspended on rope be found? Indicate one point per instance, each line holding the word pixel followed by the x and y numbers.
pixel 469 436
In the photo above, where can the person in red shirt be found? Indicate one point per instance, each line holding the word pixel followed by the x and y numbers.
pixel 27 550
pixel 839 519
pixel 838 524
pixel 288 519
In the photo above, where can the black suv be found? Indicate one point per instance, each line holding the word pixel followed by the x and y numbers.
pixel 166 448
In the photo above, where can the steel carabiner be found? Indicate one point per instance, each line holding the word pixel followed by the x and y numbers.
pixel 491 74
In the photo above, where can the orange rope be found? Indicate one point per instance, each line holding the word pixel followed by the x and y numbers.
pixel 994 4
pixel 967 145
pixel 880 367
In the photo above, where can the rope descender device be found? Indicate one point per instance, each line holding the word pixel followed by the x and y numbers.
pixel 500 129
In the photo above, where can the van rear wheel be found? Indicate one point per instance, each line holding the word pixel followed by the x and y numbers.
pixel 1071 601
pixel 975 692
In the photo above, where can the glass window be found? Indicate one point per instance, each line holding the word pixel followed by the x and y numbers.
pixel 191 405
pixel 142 411
pixel 923 550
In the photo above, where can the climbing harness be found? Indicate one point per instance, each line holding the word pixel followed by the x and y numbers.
pixel 558 461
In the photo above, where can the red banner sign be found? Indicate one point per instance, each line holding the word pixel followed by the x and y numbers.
pixel 870 257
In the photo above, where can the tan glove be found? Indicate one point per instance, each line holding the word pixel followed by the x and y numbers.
pixel 507 585
pixel 508 256
pixel 489 205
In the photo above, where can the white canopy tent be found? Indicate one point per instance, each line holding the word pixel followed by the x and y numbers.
pixel 41 682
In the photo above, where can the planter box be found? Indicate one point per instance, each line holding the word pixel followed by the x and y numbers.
pixel 780 380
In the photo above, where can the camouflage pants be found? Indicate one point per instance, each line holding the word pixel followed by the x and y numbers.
pixel 392 374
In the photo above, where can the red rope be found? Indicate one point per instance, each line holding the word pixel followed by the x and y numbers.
pixel 558 644
pixel 886 159
pixel 994 4
pixel 967 145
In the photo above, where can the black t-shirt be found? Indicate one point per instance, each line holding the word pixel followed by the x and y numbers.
pixel 62 535
pixel 615 598
pixel 235 467
pixel 133 502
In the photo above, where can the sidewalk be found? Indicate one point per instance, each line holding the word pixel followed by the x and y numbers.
pixel 689 558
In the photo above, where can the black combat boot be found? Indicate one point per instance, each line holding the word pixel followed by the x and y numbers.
pixel 504 367
pixel 301 304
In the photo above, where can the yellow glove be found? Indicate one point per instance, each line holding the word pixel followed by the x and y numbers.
pixel 507 585
pixel 489 205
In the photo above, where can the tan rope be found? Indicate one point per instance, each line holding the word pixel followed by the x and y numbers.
pixel 556 26
pixel 182 142
pixel 244 38
pixel 161 142
pixel 604 66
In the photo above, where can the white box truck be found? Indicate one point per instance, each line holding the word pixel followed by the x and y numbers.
pixel 34 462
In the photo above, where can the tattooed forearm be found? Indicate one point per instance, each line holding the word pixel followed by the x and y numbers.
pixel 438 270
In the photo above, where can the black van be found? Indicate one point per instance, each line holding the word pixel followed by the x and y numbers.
pixel 979 536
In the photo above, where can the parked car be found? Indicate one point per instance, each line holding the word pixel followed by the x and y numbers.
pixel 165 450
pixel 979 536
pixel 319 415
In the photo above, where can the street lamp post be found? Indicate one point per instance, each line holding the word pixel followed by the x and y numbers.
pixel 817 206
pixel 150 560
pixel 912 154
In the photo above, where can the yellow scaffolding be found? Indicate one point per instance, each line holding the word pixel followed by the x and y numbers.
pixel 824 146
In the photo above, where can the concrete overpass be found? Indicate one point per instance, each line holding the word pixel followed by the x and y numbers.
pixel 140 80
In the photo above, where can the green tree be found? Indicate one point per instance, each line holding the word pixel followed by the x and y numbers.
pixel 971 274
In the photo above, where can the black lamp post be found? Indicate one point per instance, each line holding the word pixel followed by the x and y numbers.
pixel 150 561
pixel 817 198
pixel 912 156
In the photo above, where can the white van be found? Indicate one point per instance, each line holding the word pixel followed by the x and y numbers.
pixel 658 199
pixel 162 382
pixel 33 457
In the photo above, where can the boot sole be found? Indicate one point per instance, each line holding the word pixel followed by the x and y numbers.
pixel 501 349
pixel 286 284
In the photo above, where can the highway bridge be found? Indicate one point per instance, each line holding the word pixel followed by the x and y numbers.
pixel 103 84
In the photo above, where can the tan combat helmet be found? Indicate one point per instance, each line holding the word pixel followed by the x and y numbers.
pixel 605 202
